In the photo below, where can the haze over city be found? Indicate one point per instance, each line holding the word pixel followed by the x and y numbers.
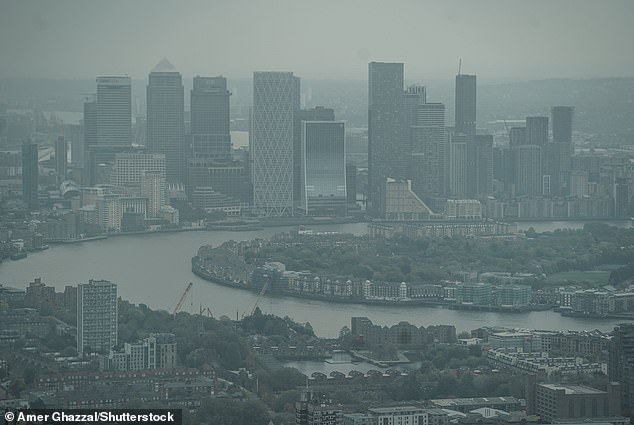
pixel 325 39
pixel 293 212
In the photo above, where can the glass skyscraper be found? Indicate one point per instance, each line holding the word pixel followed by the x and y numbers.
pixel 165 121
pixel 323 168
pixel 275 101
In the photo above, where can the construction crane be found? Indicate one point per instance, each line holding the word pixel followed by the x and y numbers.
pixel 182 299
pixel 262 292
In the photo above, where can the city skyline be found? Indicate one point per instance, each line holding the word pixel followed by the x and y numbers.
pixel 541 30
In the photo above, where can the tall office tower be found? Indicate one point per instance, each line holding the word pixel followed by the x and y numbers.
pixel 428 152
pixel 165 120
pixel 528 174
pixel 621 364
pixel 562 123
pixel 517 136
pixel 61 159
pixel 275 101
pixel 411 98
pixel 537 135
pixel 351 183
pixel 114 115
pixel 73 136
pixel 562 148
pixel 210 132
pixel 89 171
pixel 128 168
pixel 537 131
pixel 385 90
pixel 153 188
pixel 30 174
pixel 621 197
pixel 484 164
pixel 458 152
pixel 323 168
pixel 466 105
pixel 318 113
pixel 96 316
pixel 89 125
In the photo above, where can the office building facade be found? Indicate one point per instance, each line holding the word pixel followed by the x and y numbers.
pixel 323 168
pixel 465 104
pixel 275 101
pixel 318 113
pixel 114 114
pixel 165 120
pixel 30 176
pixel 210 132
pixel 385 90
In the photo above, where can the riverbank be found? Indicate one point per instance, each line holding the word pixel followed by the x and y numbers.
pixel 199 270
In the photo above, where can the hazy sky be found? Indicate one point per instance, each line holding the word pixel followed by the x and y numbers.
pixel 318 38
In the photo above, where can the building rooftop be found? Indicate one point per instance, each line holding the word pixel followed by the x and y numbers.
pixel 448 402
pixel 573 389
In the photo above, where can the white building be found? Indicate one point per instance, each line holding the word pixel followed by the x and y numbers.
pixel 128 168
pixel 114 112
pixel 275 100
pixel 401 415
pixel 153 188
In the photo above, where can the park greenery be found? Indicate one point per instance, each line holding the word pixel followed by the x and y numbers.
pixel 431 260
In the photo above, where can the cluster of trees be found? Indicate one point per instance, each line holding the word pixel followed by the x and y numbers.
pixel 433 259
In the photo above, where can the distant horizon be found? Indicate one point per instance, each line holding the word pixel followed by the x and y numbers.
pixel 496 39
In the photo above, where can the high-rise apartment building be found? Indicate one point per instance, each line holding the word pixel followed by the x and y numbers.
pixel 210 131
pixel 165 120
pixel 385 156
pixel 275 101
pixel 114 114
pixel 30 173
pixel 318 113
pixel 323 168
pixel 96 316
pixel 466 105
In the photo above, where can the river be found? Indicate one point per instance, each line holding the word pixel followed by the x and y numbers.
pixel 154 269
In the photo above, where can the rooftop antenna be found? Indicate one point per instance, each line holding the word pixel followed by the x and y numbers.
pixel 459 65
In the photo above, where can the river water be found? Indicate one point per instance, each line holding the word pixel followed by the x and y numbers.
pixel 154 269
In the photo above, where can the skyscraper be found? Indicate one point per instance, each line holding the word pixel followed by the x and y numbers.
pixel 30 174
pixel 96 316
pixel 385 90
pixel 165 121
pixel 275 101
pixel 528 174
pixel 210 132
pixel 323 168
pixel 562 148
pixel 61 159
pixel 466 105
pixel 562 123
pixel 458 179
pixel 318 113
pixel 114 115
pixel 428 157
pixel 483 144
pixel 537 131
